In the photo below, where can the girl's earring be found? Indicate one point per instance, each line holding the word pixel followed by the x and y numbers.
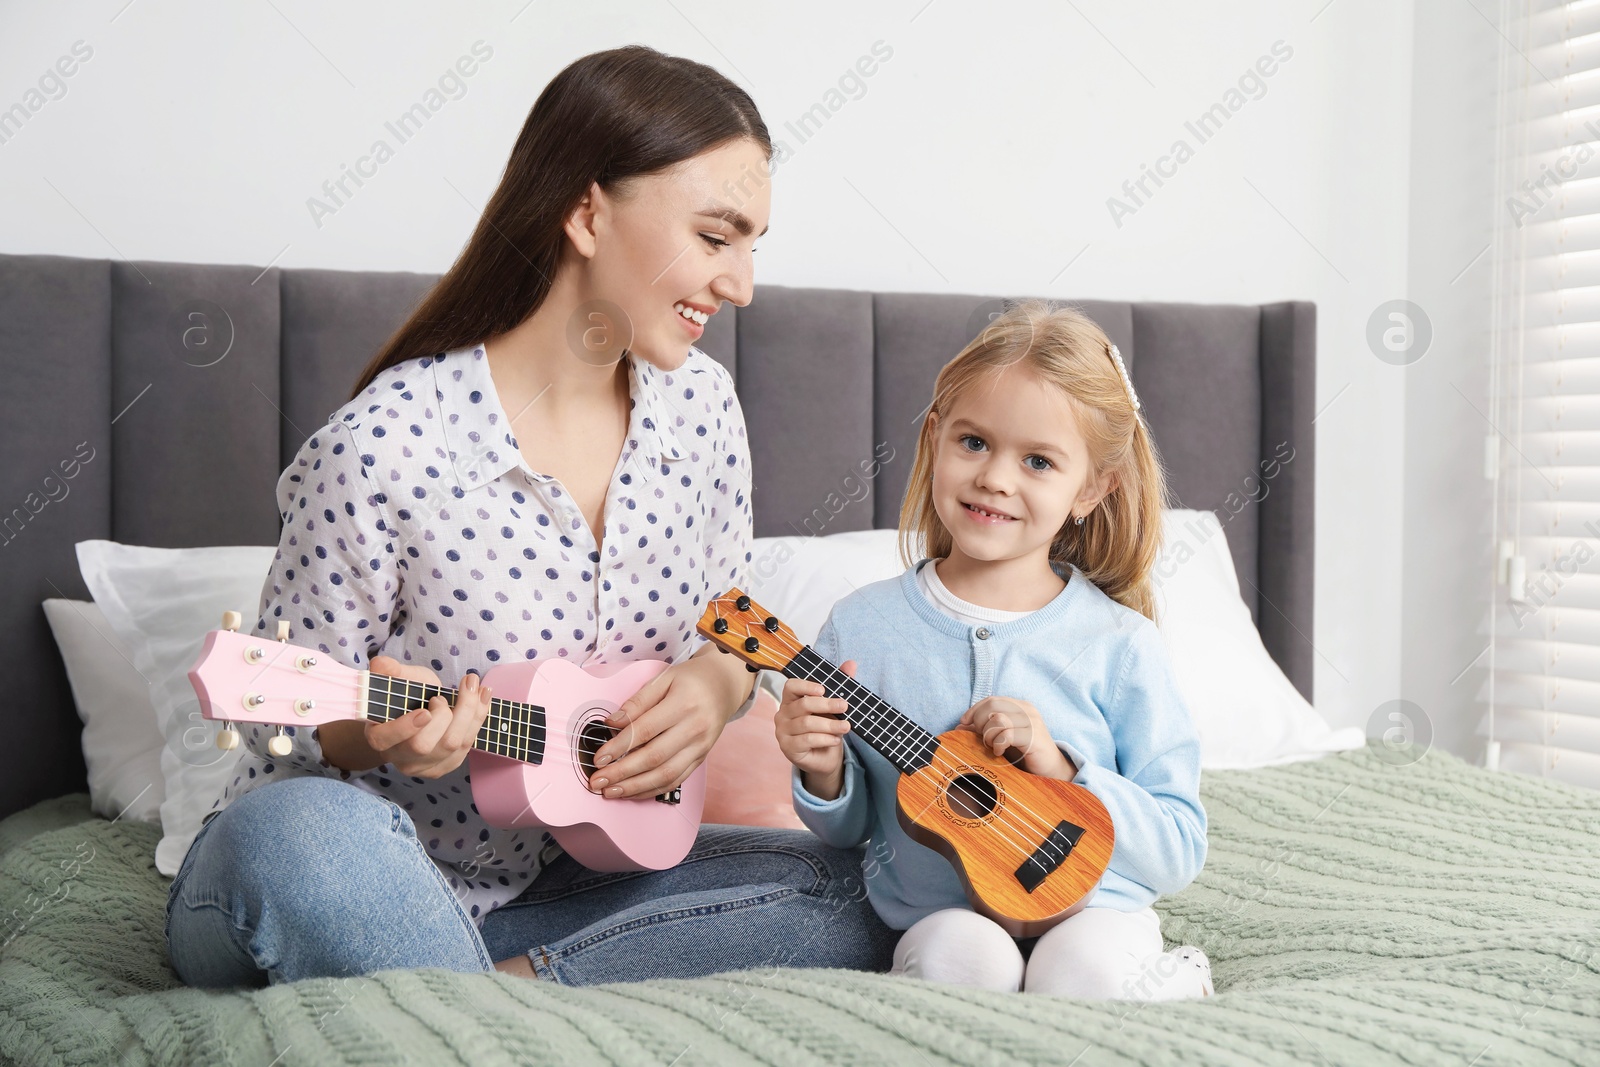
pixel 1080 520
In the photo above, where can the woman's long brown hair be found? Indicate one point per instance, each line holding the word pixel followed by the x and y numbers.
pixel 607 117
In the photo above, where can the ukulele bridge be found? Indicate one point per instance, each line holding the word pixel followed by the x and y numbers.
pixel 1049 856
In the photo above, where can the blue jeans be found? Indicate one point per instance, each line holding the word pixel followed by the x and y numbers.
pixel 313 877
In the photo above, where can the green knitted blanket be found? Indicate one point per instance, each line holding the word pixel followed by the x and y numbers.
pixel 1354 912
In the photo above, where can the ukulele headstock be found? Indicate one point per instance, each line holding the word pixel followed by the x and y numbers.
pixel 250 678
pixel 735 623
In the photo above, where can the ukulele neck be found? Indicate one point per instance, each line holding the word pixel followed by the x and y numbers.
pixel 890 732
pixel 510 729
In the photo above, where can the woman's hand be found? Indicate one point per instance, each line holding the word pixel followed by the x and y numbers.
pixel 666 729
pixel 1005 723
pixel 431 741
pixel 810 737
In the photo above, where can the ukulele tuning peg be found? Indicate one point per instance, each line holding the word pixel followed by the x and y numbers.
pixel 279 744
pixel 743 603
pixel 283 629
pixel 228 738
pixel 752 668
pixel 231 620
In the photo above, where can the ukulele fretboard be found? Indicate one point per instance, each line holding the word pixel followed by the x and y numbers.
pixel 510 729
pixel 888 730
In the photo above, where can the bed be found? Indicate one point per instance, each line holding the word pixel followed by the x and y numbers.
pixel 1354 912
pixel 1356 908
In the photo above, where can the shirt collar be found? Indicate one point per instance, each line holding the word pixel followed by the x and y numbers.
pixel 651 426
pixel 478 431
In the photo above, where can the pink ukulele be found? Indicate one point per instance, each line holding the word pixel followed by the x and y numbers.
pixel 531 762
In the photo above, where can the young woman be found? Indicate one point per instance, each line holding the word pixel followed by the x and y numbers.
pixel 1038 493
pixel 537 465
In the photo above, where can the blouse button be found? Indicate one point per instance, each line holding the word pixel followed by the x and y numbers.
pixel 982 633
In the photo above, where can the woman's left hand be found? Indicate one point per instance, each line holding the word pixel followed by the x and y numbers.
pixel 1005 723
pixel 665 729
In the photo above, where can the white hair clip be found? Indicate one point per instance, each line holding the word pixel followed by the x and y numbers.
pixel 1127 381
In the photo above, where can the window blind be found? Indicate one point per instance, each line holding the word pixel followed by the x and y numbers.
pixel 1541 692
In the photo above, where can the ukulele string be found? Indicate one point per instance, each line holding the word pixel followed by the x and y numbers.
pixel 956 768
pixel 495 737
pixel 944 763
pixel 956 784
pixel 525 742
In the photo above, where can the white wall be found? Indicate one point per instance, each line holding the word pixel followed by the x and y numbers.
pixel 979 159
pixel 1447 518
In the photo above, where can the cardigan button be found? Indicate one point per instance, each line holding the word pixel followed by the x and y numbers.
pixel 982 633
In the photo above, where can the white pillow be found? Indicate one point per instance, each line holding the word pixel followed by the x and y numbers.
pixel 121 743
pixel 162 602
pixel 1247 712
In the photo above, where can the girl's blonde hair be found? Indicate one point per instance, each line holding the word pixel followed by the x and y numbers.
pixel 1118 543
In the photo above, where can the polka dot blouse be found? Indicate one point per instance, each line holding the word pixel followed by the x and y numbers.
pixel 413 528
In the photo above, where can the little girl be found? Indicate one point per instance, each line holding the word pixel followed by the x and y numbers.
pixel 1037 492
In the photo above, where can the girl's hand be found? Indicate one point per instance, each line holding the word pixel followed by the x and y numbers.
pixel 810 737
pixel 431 741
pixel 666 729
pixel 1005 723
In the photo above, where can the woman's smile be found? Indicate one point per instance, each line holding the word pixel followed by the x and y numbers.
pixel 693 316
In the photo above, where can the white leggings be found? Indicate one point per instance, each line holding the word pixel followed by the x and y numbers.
pixel 1097 954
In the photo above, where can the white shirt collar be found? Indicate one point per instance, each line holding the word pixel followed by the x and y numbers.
pixel 964 610
pixel 478 431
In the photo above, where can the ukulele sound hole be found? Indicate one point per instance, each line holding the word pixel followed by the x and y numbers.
pixel 971 796
pixel 593 734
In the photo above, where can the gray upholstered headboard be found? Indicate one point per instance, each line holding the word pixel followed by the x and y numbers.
pixel 187 454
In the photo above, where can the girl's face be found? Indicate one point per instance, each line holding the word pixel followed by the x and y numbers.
pixel 1012 450
pixel 682 238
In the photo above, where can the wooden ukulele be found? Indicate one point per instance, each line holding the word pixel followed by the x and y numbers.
pixel 1028 850
pixel 530 762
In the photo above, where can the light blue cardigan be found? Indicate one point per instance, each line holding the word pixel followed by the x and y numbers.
pixel 1100 677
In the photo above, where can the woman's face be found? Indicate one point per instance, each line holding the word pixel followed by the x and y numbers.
pixel 1014 450
pixel 678 239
